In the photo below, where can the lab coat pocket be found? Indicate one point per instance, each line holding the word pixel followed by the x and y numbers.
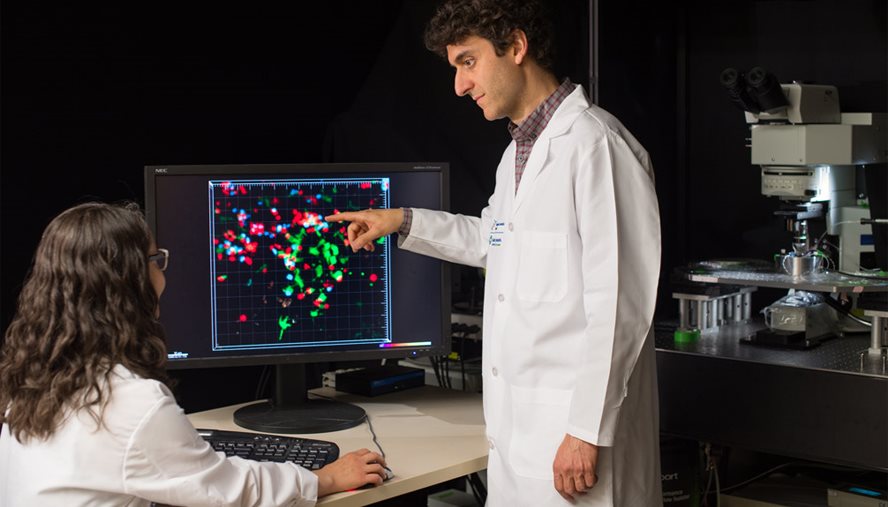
pixel 539 423
pixel 542 269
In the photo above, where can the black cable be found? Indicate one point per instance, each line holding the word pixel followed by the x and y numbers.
pixel 478 488
pixel 263 381
pixel 462 360
pixel 761 475
pixel 434 362
pixel 475 492
pixel 445 371
pixel 373 433
pixel 841 309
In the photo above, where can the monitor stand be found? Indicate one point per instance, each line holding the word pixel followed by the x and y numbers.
pixel 291 411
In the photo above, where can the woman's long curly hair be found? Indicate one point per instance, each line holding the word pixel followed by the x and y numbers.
pixel 88 304
pixel 494 20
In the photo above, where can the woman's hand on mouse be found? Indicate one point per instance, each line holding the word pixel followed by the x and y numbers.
pixel 351 471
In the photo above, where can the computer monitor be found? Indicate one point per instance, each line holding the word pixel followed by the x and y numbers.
pixel 258 277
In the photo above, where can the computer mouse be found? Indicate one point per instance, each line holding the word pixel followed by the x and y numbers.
pixel 388 476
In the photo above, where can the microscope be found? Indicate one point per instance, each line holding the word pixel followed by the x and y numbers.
pixel 809 152
pixel 811 156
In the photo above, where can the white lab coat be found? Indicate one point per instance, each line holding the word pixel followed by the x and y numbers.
pixel 148 451
pixel 572 264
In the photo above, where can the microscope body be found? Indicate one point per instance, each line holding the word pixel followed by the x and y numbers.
pixel 808 154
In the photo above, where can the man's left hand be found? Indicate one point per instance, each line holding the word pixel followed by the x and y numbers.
pixel 574 467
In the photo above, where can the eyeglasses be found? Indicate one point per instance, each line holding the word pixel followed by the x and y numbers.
pixel 161 258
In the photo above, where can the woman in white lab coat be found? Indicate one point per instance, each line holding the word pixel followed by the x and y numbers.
pixel 86 416
pixel 572 257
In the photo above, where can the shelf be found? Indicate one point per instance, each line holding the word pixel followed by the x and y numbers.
pixel 819 282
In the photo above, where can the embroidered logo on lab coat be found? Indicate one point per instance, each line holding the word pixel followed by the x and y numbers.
pixel 497 229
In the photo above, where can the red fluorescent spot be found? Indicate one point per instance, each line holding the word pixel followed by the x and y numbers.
pixel 373 277
pixel 243 318
pixel 220 278
pixel 300 296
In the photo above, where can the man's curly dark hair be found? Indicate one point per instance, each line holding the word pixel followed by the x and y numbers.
pixel 494 20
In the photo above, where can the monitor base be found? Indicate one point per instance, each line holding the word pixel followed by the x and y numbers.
pixel 310 416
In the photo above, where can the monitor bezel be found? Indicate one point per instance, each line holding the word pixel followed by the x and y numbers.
pixel 153 172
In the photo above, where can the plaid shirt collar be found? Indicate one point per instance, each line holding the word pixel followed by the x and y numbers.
pixel 533 125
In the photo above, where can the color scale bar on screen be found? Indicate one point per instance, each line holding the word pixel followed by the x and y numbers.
pixel 411 344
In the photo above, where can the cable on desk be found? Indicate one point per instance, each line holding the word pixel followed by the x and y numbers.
pixel 369 426
pixel 373 433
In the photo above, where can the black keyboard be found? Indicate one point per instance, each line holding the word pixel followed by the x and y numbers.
pixel 305 452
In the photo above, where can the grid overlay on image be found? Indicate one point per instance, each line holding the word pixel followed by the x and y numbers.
pixel 283 277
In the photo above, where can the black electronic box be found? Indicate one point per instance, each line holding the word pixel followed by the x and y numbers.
pixel 380 380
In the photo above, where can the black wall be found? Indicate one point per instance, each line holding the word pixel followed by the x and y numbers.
pixel 659 72
pixel 90 95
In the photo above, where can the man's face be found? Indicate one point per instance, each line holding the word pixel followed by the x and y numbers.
pixel 493 82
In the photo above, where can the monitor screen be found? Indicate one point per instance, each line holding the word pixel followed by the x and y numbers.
pixel 257 276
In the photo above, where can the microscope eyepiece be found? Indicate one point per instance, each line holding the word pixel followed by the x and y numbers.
pixel 755 91
pixel 766 90
pixel 733 81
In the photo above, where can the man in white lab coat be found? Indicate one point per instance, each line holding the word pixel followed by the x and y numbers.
pixel 571 243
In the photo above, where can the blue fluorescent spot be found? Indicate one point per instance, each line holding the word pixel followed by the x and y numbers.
pixel 317 196
pixel 329 289
pixel 290 276
pixel 242 258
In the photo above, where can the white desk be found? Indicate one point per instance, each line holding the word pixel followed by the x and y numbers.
pixel 430 435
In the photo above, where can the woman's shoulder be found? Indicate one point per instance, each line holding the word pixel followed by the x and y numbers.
pixel 130 386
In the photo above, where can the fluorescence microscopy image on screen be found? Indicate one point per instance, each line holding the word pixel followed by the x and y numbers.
pixel 283 277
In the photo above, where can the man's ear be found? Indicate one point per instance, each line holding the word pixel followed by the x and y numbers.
pixel 519 46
